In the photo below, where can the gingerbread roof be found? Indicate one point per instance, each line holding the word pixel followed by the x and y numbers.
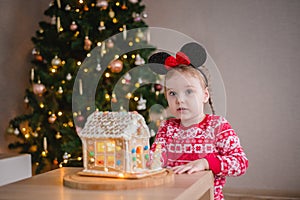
pixel 115 125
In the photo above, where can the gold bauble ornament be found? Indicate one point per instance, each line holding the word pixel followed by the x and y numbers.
pixel 33 148
pixel 24 127
pixel 10 130
pixel 58 135
pixel 111 13
pixel 56 62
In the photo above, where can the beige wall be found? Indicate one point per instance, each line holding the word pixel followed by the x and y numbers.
pixel 18 23
pixel 256 46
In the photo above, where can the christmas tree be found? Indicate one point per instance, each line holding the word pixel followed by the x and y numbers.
pixel 83 37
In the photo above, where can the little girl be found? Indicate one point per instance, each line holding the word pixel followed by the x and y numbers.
pixel 194 141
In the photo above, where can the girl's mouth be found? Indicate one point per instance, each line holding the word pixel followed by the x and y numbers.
pixel 181 109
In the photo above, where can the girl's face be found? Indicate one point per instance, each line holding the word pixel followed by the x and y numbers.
pixel 186 97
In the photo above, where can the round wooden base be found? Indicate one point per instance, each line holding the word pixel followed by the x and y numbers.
pixel 101 183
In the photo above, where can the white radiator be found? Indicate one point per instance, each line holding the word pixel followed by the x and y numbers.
pixel 14 167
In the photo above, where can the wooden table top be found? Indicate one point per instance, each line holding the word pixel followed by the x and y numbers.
pixel 49 186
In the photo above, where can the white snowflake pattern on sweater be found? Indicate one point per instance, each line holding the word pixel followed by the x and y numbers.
pixel 212 139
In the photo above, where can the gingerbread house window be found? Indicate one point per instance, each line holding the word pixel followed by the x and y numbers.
pixel 115 143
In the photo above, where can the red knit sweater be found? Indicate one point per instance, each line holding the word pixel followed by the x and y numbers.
pixel 212 139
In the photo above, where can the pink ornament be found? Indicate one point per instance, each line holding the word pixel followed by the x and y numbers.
pixel 127 78
pixel 137 19
pixel 110 43
pixel 114 98
pixel 80 118
pixel 73 26
pixel 139 60
pixel 53 20
pixel 158 87
pixel 116 66
pixel 102 4
pixel 87 43
pixel 38 89
pixel 52 119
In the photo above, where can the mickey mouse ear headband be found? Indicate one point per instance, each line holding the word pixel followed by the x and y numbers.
pixel 191 54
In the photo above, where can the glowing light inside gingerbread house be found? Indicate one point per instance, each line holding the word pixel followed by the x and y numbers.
pixel 115 143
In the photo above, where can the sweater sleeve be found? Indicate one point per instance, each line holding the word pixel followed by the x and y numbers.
pixel 214 163
pixel 231 156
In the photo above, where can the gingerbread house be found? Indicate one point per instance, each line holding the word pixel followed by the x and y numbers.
pixel 115 144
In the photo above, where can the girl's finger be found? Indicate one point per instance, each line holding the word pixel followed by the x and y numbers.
pixel 192 170
pixel 182 169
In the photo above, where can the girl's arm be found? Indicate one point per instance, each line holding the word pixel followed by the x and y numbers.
pixel 230 160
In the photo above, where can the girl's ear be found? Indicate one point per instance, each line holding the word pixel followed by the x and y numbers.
pixel 206 95
pixel 195 52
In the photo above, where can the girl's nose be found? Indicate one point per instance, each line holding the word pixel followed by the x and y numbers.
pixel 179 98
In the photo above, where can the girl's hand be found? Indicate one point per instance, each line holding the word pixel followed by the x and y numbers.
pixel 191 167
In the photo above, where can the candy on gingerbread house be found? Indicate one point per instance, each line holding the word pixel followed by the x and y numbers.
pixel 115 144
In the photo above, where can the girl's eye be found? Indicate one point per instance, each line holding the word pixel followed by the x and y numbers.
pixel 189 91
pixel 172 93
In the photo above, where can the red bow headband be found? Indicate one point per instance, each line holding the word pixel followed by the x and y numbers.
pixel 180 58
